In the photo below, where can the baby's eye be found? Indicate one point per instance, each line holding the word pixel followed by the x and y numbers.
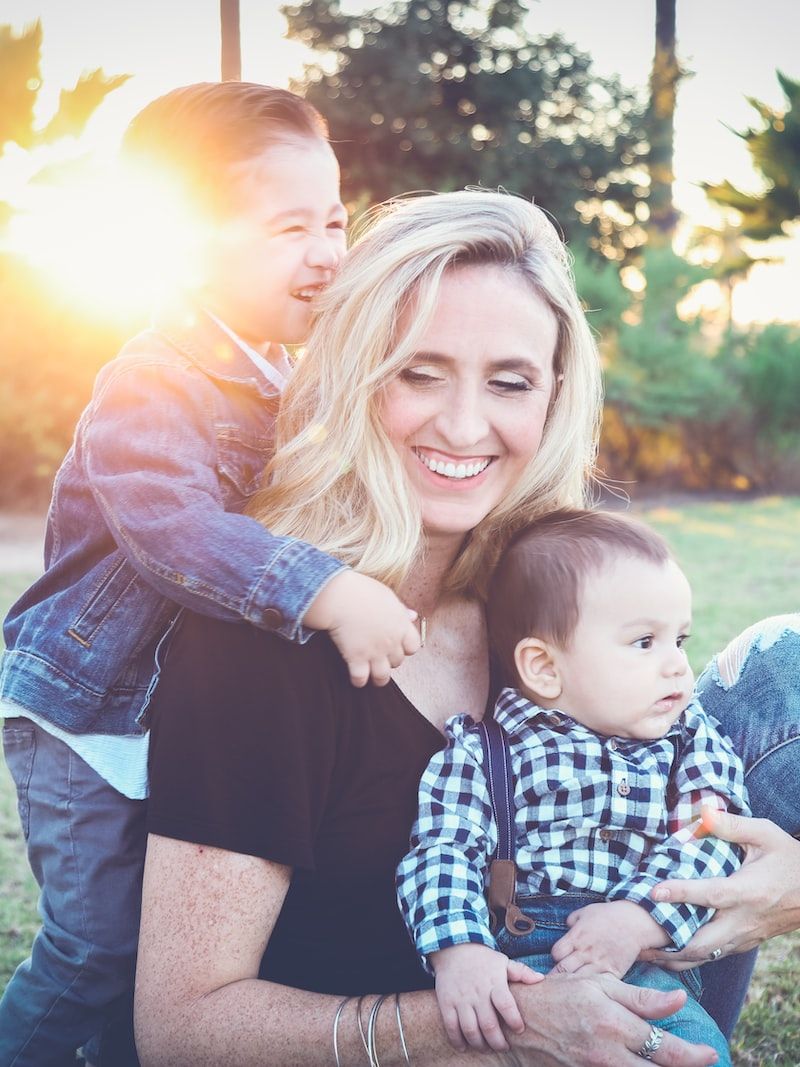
pixel 421 375
pixel 510 383
pixel 644 642
pixel 297 228
pixel 337 225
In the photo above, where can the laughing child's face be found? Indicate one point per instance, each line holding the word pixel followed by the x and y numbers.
pixel 624 672
pixel 268 259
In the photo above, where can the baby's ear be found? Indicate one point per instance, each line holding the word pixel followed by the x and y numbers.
pixel 537 668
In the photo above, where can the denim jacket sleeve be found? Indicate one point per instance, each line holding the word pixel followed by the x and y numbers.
pixel 150 452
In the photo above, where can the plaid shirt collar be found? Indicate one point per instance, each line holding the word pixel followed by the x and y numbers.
pixel 514 712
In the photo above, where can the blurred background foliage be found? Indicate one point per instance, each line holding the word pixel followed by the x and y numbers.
pixel 436 94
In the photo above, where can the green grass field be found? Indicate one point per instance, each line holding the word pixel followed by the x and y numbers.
pixel 743 559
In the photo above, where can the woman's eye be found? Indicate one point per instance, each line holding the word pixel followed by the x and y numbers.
pixel 420 376
pixel 682 639
pixel 510 383
pixel 644 642
pixel 338 225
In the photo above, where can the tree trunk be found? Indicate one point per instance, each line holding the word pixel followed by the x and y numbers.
pixel 231 51
pixel 663 90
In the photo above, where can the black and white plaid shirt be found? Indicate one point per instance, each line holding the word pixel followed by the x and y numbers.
pixel 594 814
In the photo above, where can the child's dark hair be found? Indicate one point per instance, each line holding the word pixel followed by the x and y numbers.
pixel 536 588
pixel 199 134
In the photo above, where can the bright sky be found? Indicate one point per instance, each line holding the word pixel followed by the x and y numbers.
pixel 733 46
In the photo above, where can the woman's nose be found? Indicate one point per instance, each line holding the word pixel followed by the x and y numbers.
pixel 463 422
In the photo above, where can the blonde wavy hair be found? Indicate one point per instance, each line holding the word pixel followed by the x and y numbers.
pixel 336 481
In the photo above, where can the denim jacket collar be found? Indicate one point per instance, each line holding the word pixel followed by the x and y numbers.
pixel 195 334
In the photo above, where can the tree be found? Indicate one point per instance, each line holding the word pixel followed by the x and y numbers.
pixel 664 394
pixel 775 150
pixel 443 93
pixel 727 259
pixel 48 352
pixel 230 40
pixel 20 82
pixel 664 78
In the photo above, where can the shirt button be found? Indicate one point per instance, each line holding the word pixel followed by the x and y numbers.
pixel 606 835
pixel 623 788
pixel 273 618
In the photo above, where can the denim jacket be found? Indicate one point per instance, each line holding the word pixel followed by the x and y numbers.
pixel 145 519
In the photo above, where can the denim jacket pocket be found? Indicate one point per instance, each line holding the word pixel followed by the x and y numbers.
pixel 112 587
pixel 240 464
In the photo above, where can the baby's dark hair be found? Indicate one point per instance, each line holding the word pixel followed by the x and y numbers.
pixel 535 590
pixel 200 134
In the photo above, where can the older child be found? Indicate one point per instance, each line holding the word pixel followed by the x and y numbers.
pixel 146 518
pixel 611 761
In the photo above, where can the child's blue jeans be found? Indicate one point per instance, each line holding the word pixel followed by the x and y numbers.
pixel 692 1023
pixel 86 846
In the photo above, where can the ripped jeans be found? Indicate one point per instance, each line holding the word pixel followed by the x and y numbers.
pixel 753 689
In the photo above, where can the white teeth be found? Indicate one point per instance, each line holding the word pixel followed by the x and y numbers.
pixel 454 470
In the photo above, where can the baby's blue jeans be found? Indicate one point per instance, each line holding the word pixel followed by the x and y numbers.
pixel 692 1023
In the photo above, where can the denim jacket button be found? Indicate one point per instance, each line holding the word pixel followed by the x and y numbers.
pixel 273 618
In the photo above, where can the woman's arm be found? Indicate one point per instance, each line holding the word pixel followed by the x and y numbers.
pixel 207 915
pixel 759 901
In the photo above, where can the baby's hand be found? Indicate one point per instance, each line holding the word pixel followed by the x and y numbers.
pixel 472 988
pixel 373 630
pixel 606 938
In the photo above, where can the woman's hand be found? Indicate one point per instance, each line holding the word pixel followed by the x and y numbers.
pixel 597 1021
pixel 761 900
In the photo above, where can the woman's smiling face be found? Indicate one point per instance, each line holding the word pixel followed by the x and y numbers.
pixel 467 413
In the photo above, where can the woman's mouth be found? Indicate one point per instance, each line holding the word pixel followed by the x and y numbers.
pixel 457 470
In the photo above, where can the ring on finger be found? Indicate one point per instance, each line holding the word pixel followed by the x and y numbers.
pixel 652 1044
pixel 715 954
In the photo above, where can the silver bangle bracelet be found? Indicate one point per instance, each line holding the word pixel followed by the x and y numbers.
pixel 372 1025
pixel 360 1023
pixel 402 1036
pixel 336 1020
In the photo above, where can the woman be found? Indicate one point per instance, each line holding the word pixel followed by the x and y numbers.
pixel 451 392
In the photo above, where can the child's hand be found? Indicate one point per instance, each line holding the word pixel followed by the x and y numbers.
pixel 472 988
pixel 373 630
pixel 606 938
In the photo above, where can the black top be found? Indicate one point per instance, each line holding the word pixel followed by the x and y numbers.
pixel 263 747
